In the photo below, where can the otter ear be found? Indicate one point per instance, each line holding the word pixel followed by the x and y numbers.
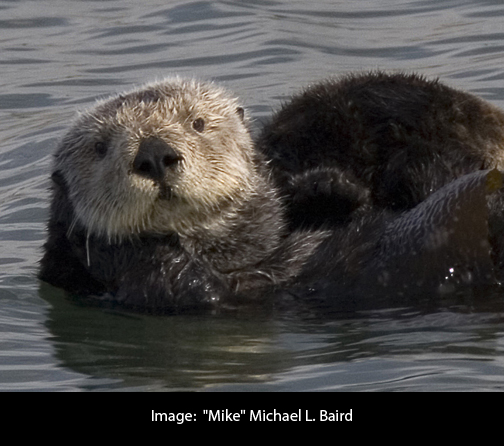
pixel 101 148
pixel 58 178
pixel 241 113
pixel 59 181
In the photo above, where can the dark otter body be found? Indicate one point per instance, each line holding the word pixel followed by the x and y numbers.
pixel 162 203
pixel 381 142
pixel 377 139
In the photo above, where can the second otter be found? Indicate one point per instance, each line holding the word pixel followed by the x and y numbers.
pixel 386 140
pixel 375 141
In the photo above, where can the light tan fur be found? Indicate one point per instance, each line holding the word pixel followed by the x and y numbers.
pixel 216 173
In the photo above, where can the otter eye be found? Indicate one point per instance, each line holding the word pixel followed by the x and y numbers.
pixel 199 125
pixel 100 148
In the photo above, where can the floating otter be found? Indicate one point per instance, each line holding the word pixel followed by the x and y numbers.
pixel 161 202
pixel 377 139
pixel 380 141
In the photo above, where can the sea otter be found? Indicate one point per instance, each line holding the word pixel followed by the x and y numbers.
pixel 161 202
pixel 380 141
pixel 386 140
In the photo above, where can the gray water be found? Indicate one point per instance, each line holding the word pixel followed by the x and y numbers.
pixel 57 57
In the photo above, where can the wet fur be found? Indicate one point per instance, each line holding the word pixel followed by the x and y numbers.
pixel 348 173
pixel 211 228
pixel 376 139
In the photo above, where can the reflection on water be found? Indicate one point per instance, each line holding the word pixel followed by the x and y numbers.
pixel 401 349
pixel 56 60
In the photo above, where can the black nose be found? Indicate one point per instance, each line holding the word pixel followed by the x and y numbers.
pixel 153 158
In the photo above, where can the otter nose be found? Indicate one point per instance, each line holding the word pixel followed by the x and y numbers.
pixel 153 158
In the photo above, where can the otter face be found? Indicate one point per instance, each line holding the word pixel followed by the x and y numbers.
pixel 169 157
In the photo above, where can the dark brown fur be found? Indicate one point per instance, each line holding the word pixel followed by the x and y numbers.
pixel 377 139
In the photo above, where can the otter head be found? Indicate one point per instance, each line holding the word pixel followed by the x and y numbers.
pixel 172 156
